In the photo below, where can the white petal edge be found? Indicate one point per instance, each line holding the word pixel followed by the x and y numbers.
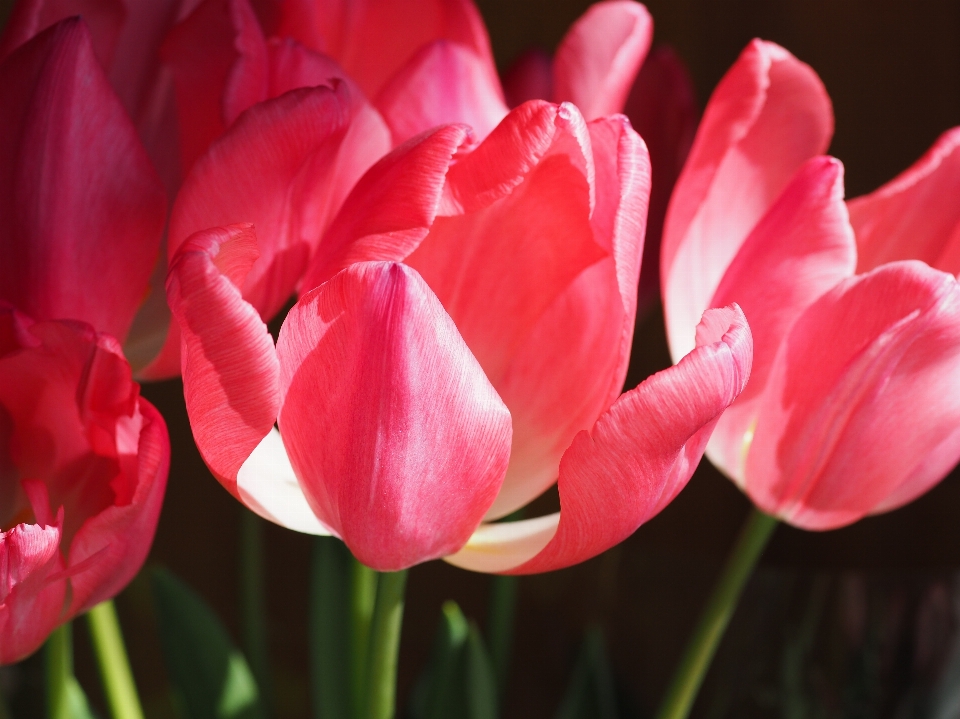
pixel 501 546
pixel 268 486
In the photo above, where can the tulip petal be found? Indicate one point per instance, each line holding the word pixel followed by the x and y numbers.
pixel 800 249
pixel 572 364
pixel 598 59
pixel 29 18
pixel 413 439
pixel 444 82
pixel 218 57
pixel 373 39
pixel 230 367
pixel 268 485
pixel 632 463
pixel 662 106
pixel 391 208
pixel 529 78
pixel 30 604
pixel 769 114
pixel 914 216
pixel 861 410
pixel 83 209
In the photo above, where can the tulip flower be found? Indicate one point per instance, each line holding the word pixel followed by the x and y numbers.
pixel 459 346
pixel 84 457
pixel 855 309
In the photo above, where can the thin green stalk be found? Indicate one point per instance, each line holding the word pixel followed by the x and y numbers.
pixel 381 676
pixel 115 672
pixel 363 596
pixel 59 669
pixel 754 535
pixel 500 621
pixel 329 641
pixel 253 610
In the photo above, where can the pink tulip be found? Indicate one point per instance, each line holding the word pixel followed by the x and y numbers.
pixel 85 459
pixel 851 409
pixel 459 346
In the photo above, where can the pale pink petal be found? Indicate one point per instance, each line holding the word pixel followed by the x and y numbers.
pixel 861 410
pixel 83 209
pixel 632 463
pixel 268 485
pixel 915 216
pixel 529 78
pixel 392 207
pixel 218 58
pixel 398 439
pixel 572 364
pixel 230 367
pixel 444 82
pixel 769 114
pixel 30 604
pixel 662 107
pixel 373 39
pixel 796 253
pixel 598 59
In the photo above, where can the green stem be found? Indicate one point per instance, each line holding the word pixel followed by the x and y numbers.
pixel 115 672
pixel 59 668
pixel 363 596
pixel 754 535
pixel 329 642
pixel 500 621
pixel 381 676
pixel 253 609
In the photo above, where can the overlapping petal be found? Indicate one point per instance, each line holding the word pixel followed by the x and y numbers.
pixel 416 440
pixel 798 251
pixel 768 115
pixel 861 412
pixel 77 192
pixel 599 57
pixel 915 215
pixel 634 460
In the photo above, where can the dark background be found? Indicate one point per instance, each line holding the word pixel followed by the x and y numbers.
pixel 893 71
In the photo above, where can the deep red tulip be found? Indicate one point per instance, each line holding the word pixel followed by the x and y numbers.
pixel 855 309
pixel 415 400
pixel 84 458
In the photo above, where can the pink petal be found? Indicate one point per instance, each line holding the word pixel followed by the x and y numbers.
pixel 218 58
pixel 373 39
pixel 768 115
pixel 529 78
pixel 30 604
pixel 398 439
pixel 914 216
pixel 571 365
pixel 861 412
pixel 230 367
pixel 276 168
pixel 83 209
pixel 29 18
pixel 600 55
pixel 796 253
pixel 662 106
pixel 392 207
pixel 632 463
pixel 444 82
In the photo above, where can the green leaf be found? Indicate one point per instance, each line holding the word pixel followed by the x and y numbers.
pixel 481 679
pixel 210 675
pixel 76 704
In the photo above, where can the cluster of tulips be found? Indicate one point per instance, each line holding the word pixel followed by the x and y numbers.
pixel 456 261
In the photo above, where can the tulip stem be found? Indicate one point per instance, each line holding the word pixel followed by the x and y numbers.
pixel 381 675
pixel 115 672
pixel 329 629
pixel 363 598
pixel 59 667
pixel 754 535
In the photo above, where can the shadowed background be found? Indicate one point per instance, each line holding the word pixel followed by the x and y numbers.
pixel 893 72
